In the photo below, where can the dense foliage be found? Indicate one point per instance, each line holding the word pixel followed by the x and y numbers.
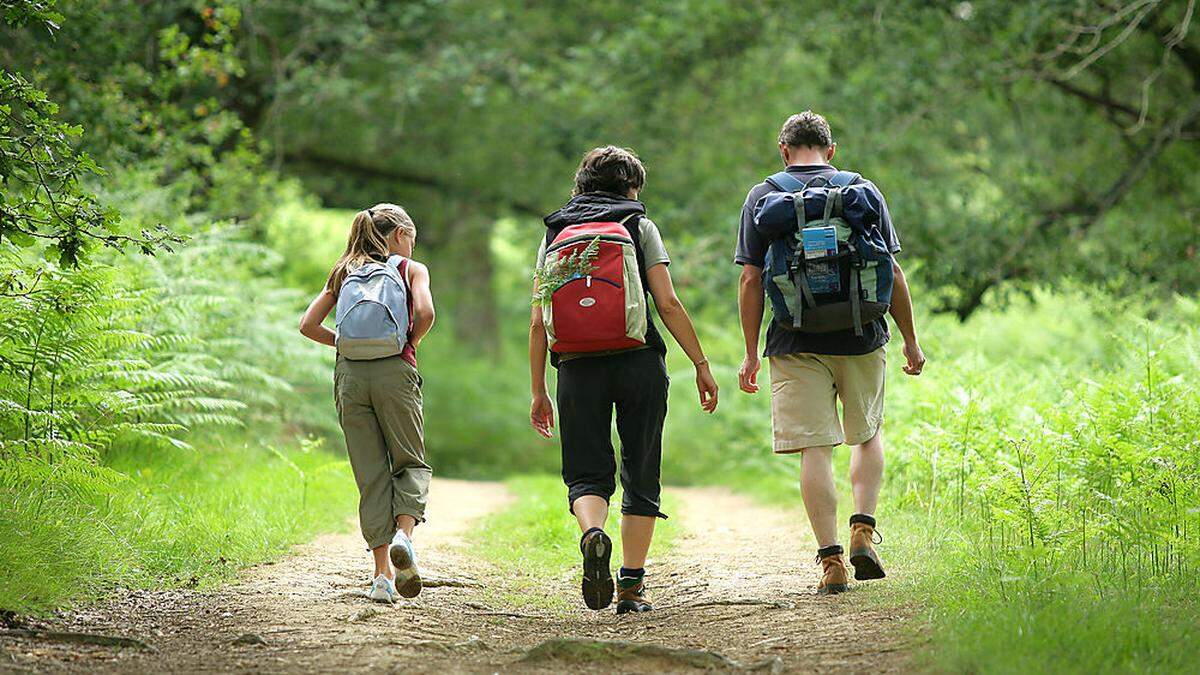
pixel 104 354
pixel 1062 143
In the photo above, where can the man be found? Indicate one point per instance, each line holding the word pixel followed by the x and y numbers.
pixel 809 370
pixel 632 378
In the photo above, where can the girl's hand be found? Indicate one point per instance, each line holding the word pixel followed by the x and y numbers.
pixel 541 415
pixel 707 386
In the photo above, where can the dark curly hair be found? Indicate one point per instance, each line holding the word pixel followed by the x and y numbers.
pixel 807 129
pixel 609 169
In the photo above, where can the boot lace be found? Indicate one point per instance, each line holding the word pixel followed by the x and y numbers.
pixel 876 537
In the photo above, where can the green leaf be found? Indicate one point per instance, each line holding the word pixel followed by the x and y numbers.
pixel 20 238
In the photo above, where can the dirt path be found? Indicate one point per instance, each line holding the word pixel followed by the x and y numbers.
pixel 734 593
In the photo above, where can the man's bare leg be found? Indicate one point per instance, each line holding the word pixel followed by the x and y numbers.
pixel 819 493
pixel 866 474
pixel 820 501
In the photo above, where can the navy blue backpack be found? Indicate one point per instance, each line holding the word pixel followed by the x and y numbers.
pixel 827 267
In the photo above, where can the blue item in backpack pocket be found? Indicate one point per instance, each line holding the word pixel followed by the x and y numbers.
pixel 819 242
pixel 823 277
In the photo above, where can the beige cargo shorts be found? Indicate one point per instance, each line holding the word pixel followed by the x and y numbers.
pixel 805 389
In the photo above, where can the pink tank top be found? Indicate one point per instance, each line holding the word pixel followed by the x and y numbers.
pixel 409 353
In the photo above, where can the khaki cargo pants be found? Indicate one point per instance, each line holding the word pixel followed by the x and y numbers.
pixel 805 389
pixel 379 409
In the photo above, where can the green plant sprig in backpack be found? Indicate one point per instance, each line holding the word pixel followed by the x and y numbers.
pixel 558 270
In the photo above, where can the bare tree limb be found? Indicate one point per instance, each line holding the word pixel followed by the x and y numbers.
pixel 1101 100
pixel 447 188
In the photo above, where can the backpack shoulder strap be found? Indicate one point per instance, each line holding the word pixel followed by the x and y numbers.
pixel 633 224
pixel 785 182
pixel 844 178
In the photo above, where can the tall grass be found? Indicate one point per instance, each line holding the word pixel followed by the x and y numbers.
pixel 122 382
pixel 177 517
pixel 1043 483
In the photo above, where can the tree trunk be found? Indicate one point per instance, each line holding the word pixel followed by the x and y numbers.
pixel 466 291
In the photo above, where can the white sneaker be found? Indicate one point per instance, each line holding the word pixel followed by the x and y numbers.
pixel 383 589
pixel 404 559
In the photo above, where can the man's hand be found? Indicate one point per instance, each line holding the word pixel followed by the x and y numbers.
pixel 707 387
pixel 915 358
pixel 541 415
pixel 748 374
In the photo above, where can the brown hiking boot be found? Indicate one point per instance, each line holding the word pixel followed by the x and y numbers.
pixel 863 538
pixel 834 577
pixel 631 595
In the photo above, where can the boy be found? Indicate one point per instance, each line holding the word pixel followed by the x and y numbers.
pixel 632 379
pixel 808 370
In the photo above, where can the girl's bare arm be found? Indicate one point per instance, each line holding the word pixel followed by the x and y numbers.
pixel 311 324
pixel 423 313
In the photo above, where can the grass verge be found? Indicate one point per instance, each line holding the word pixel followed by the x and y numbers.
pixel 535 544
pixel 986 613
pixel 180 518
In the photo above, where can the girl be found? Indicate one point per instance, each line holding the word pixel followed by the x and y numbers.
pixel 379 399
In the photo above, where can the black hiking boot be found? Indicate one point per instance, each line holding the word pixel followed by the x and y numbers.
pixel 597 577
pixel 631 595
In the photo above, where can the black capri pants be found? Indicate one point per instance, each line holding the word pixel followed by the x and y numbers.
pixel 589 389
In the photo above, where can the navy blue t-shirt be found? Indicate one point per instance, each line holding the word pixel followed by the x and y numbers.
pixel 752 250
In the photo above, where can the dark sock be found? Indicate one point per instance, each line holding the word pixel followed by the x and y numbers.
pixel 864 519
pixel 628 573
pixel 836 549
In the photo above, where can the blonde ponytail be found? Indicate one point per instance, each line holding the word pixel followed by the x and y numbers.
pixel 368 240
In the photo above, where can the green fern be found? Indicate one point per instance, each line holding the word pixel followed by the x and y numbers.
pixel 557 270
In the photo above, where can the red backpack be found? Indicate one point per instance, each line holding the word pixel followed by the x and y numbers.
pixel 605 309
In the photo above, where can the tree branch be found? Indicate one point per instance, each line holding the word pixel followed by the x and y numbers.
pixel 1095 98
pixel 421 180
pixel 1092 209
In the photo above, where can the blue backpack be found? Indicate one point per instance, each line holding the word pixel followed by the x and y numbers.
pixel 373 317
pixel 827 267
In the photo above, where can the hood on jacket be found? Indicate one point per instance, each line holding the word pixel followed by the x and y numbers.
pixel 594 207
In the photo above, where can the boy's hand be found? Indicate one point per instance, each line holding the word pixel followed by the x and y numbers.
pixel 707 387
pixel 541 415
pixel 915 358
pixel 748 374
